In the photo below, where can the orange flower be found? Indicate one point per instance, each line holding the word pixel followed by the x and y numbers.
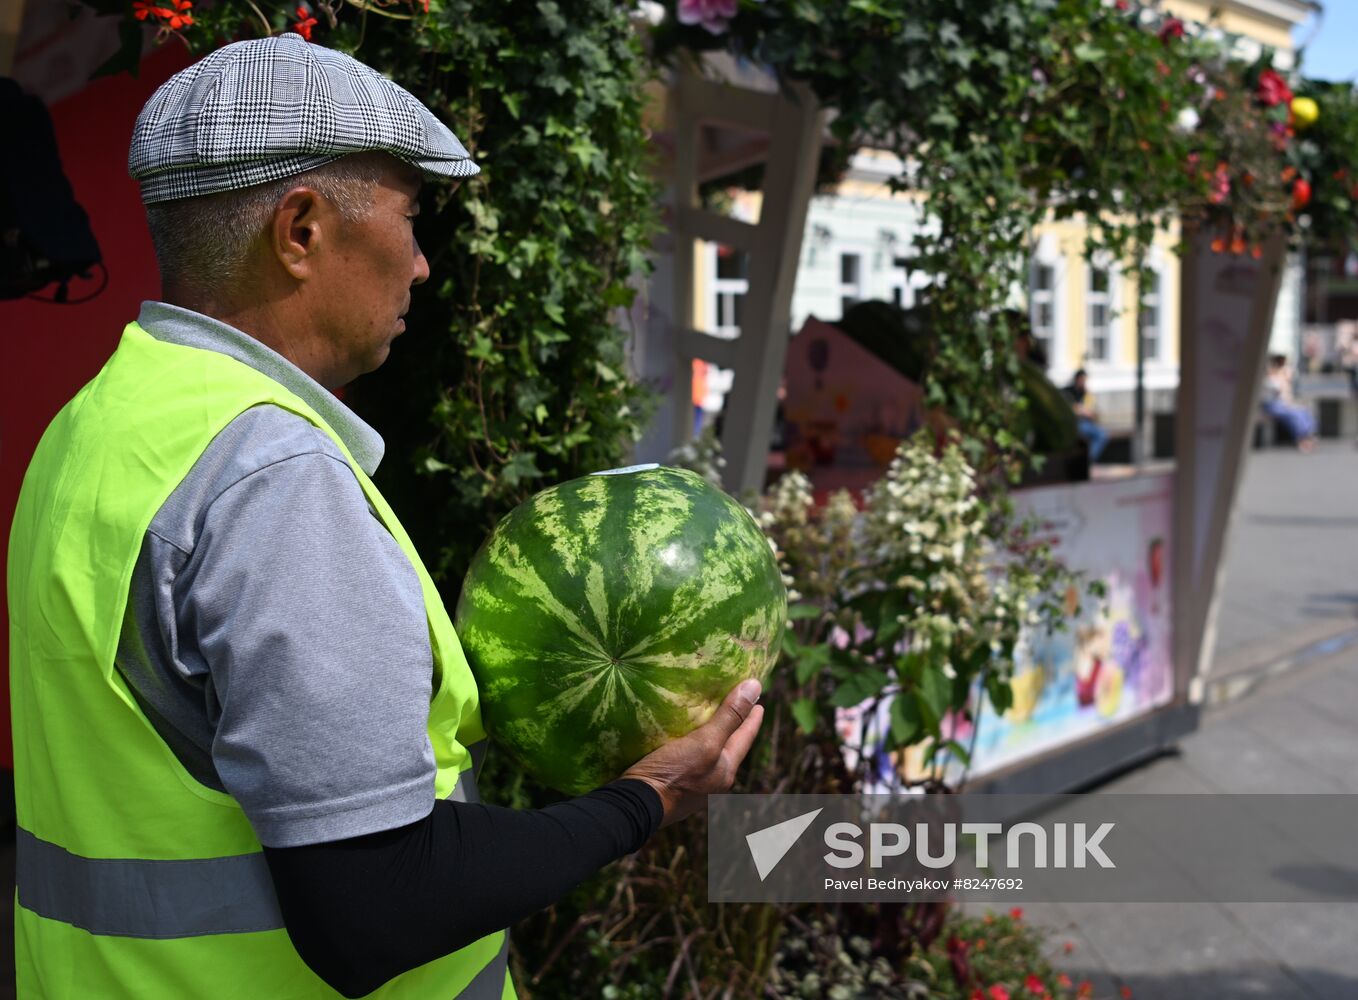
pixel 1069 946
pixel 1237 246
pixel 1064 981
pixel 1256 251
pixel 1289 173
pixel 1085 989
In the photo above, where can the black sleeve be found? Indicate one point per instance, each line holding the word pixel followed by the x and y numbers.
pixel 363 910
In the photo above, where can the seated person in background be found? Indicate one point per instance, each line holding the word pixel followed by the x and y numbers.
pixel 1279 403
pixel 1085 414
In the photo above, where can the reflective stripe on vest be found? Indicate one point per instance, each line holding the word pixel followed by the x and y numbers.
pixel 124 897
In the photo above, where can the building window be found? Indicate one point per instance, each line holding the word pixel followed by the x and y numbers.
pixel 1042 305
pixel 1150 316
pixel 1099 345
pixel 850 280
pixel 730 284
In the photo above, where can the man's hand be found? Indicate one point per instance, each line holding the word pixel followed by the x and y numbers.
pixel 686 770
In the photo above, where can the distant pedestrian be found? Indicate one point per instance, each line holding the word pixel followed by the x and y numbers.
pixel 1087 418
pixel 1280 404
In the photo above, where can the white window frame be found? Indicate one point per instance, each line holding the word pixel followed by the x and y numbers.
pixel 719 288
pixel 1156 300
pixel 850 289
pixel 1109 300
pixel 1046 252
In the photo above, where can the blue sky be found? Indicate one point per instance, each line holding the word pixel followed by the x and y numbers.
pixel 1332 54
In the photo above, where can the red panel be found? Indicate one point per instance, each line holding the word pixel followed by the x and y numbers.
pixel 50 351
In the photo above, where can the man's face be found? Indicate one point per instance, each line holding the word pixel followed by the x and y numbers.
pixel 365 278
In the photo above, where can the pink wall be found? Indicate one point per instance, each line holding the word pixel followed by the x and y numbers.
pixel 50 351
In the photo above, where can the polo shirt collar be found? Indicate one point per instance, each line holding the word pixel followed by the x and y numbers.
pixel 176 325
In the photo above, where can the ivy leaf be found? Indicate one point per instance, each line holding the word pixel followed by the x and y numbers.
pixel 522 465
pixel 944 118
pixel 482 349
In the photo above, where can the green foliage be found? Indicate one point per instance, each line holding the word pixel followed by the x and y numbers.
pixel 972 957
pixel 917 603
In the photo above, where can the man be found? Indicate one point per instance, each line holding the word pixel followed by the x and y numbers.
pixel 245 733
pixel 1087 418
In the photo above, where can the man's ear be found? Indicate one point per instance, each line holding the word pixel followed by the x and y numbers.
pixel 300 223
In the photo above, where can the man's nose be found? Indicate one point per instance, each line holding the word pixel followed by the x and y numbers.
pixel 421 274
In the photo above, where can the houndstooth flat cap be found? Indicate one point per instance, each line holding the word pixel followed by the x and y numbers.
pixel 261 110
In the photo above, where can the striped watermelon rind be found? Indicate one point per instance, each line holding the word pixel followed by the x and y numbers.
pixel 609 614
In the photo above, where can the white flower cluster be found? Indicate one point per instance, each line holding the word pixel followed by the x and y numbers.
pixel 932 536
pixel 702 455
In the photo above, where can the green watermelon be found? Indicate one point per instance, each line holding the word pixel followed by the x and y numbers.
pixel 610 614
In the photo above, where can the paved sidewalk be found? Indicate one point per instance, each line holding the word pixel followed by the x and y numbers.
pixel 1287 635
pixel 1291 569
pixel 1295 735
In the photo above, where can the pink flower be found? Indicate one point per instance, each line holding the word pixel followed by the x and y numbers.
pixel 997 992
pixel 1034 985
pixel 1273 89
pixel 714 15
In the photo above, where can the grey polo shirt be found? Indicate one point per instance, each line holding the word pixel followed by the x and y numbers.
pixel 275 634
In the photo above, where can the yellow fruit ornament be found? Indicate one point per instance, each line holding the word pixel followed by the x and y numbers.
pixel 1305 111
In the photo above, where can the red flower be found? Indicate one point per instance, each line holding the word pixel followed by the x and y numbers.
pixel 997 992
pixel 1123 5
pixel 1172 28
pixel 957 955
pixel 1273 89
pixel 1085 989
pixel 1034 985
pixel 305 22
pixel 1301 194
pixel 175 17
pixel 1125 993
pixel 1064 981
pixel 1069 947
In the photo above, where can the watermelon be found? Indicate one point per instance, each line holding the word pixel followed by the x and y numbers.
pixel 609 614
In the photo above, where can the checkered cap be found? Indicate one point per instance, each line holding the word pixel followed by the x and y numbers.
pixel 261 110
